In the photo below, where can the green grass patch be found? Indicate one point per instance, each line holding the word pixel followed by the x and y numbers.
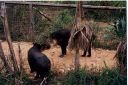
pixel 84 77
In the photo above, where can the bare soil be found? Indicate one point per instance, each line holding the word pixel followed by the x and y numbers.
pixel 99 57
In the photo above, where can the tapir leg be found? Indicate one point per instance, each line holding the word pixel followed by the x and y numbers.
pixel 89 50
pixel 85 51
pixel 37 75
pixel 63 49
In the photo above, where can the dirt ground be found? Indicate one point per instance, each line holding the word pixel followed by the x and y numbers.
pixel 99 57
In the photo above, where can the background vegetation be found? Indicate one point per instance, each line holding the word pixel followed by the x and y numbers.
pixel 64 18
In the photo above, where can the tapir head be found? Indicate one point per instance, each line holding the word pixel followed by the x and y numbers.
pixel 43 46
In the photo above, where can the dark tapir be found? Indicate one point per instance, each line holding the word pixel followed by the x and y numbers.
pixel 62 37
pixel 38 61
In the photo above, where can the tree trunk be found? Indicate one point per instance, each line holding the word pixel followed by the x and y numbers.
pixel 77 62
pixel 7 35
pixel 78 21
pixel 2 56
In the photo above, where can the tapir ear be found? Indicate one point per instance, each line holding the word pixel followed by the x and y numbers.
pixel 36 44
pixel 52 35
pixel 33 43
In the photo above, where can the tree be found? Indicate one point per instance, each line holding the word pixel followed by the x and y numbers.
pixel 78 38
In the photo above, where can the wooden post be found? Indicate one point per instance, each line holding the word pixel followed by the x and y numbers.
pixel 2 56
pixel 78 22
pixel 77 61
pixel 31 30
pixel 7 35
pixel 20 56
pixel 21 62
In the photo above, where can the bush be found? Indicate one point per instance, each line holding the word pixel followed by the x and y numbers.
pixel 8 79
pixel 120 28
pixel 117 31
pixel 111 77
pixel 42 37
pixel 78 77
pixel 63 19
pixel 104 39
pixel 83 77
pixel 105 15
pixel 41 24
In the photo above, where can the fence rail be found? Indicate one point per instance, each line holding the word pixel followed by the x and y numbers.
pixel 64 5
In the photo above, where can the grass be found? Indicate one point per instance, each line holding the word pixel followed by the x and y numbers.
pixel 7 79
pixel 84 77
pixel 78 77
pixel 74 77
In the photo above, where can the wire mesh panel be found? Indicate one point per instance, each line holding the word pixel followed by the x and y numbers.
pixel 19 21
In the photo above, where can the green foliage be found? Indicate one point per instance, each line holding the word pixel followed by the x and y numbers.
pixel 101 39
pixel 41 24
pixel 111 77
pixel 120 28
pixel 17 35
pixel 19 22
pixel 42 37
pixel 95 27
pixel 4 80
pixel 106 37
pixel 78 77
pixel 105 15
pixel 64 18
pixel 8 79
pixel 118 3
pixel 83 77
pixel 42 27
pixel 121 58
pixel 22 13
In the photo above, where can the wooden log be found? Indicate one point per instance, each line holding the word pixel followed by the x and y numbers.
pixel 65 5
pixel 7 35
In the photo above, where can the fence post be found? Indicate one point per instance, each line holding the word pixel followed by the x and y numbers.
pixel 31 29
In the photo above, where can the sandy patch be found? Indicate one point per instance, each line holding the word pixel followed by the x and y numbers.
pixel 99 56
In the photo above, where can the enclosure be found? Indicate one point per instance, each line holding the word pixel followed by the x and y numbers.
pixel 23 23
